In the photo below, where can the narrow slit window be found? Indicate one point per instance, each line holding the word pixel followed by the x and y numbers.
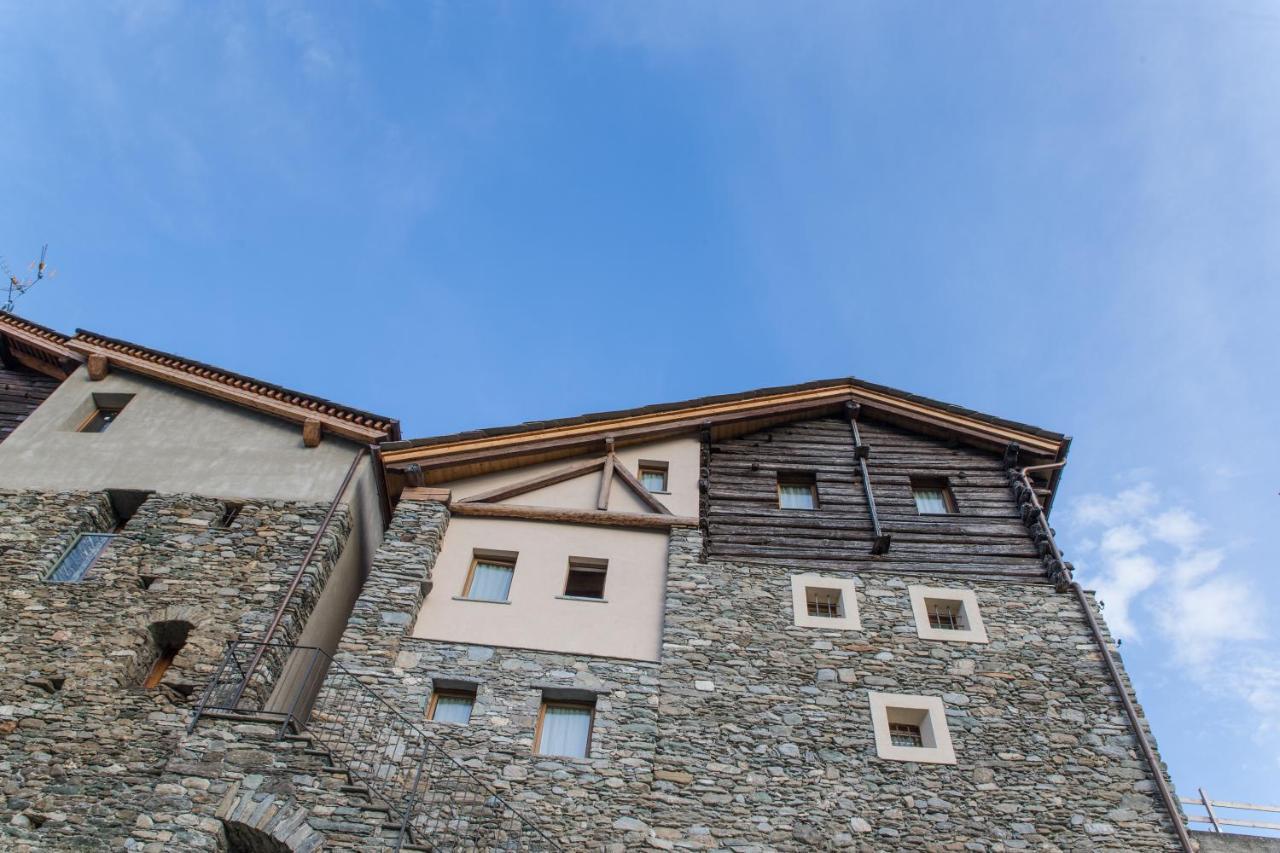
pixel 827 603
pixel 586 579
pixel 452 706
pixel 905 734
pixel 159 668
pixel 564 728
pixel 933 496
pixel 230 510
pixel 797 491
pixel 653 476
pixel 170 637
pixel 80 557
pixel 490 579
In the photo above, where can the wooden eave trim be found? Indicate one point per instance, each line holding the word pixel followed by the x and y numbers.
pixel 237 396
pixel 649 521
pixel 40 364
pixel 37 351
pixel 630 428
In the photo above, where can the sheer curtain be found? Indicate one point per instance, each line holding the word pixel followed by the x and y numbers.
pixel 654 481
pixel 931 501
pixel 491 581
pixel 795 496
pixel 452 709
pixel 564 730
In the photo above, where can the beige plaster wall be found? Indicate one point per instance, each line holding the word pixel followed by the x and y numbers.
pixel 680 454
pixel 628 624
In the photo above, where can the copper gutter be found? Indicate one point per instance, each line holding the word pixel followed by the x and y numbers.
pixel 1130 709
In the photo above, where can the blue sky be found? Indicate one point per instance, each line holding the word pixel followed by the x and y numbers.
pixel 473 214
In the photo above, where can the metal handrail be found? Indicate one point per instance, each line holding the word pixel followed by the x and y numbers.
pixel 400 764
pixel 1218 821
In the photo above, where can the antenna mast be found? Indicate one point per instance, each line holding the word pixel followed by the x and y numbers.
pixel 19 286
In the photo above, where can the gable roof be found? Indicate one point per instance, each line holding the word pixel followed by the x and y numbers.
pixel 57 355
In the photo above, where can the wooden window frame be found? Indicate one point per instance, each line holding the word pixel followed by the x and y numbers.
pixel 477 559
pixel 93 415
pixel 452 693
pixel 586 564
pixel 657 467
pixel 590 707
pixel 942 484
pixel 799 478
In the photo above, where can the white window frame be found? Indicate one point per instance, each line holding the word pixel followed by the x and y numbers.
pixel 973 632
pixel 927 712
pixel 848 588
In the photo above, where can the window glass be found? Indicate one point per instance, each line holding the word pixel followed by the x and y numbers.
pixel 490 581
pixel 452 707
pixel 795 495
pixel 565 730
pixel 654 479
pixel 931 500
pixel 82 554
pixel 824 602
pixel 585 581
pixel 101 419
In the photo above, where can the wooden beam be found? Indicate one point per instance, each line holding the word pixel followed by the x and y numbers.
pixel 311 431
pixel 606 480
pixel 98 368
pixel 648 521
pixel 530 484
pixel 53 349
pixel 230 394
pixel 37 364
pixel 640 491
pixel 426 494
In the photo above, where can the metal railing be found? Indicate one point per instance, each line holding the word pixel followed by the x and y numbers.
pixel 1217 821
pixel 436 800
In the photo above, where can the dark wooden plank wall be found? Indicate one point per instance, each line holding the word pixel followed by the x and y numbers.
pixel 984 537
pixel 21 391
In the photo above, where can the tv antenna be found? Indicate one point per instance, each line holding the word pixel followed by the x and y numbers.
pixel 19 286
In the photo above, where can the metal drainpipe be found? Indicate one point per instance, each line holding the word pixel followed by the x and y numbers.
pixel 297 577
pixel 1130 709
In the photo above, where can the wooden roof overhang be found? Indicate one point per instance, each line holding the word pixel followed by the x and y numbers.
pixel 312 413
pixel 36 347
pixel 436 460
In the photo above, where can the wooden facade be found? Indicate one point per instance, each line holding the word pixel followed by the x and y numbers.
pixel 21 391
pixel 984 537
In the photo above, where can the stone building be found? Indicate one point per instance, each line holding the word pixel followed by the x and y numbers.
pixel 826 616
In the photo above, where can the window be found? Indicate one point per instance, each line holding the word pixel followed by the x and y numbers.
pixel 818 601
pixel 947 614
pixel 106 408
pixel 564 728
pixel 230 510
pixel 586 578
pixel 911 728
pixel 451 705
pixel 80 557
pixel 824 602
pixel 653 475
pixel 933 496
pixel 489 579
pixel 797 491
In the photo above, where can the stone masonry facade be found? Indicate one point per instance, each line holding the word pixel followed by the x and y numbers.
pixel 83 747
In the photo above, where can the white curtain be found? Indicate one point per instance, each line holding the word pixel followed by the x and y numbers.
pixel 931 500
pixel 564 731
pixel 654 481
pixel 452 709
pixel 490 581
pixel 796 496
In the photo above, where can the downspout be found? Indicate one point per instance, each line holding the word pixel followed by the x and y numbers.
pixel 297 577
pixel 1166 795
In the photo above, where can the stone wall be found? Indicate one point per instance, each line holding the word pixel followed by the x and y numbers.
pixel 82 745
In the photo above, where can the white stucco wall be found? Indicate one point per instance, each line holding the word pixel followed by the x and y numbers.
pixel 627 625
pixel 680 454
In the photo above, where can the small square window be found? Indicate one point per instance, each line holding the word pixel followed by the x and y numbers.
pixel 824 602
pixel 653 475
pixel 911 728
pixel 797 491
pixel 451 705
pixel 933 496
pixel 947 614
pixel 818 601
pixel 586 578
pixel 80 557
pixel 489 579
pixel 564 728
pixel 102 417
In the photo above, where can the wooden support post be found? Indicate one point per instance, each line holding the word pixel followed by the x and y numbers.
pixel 606 480
pixel 880 543
pixel 98 367
pixel 311 432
